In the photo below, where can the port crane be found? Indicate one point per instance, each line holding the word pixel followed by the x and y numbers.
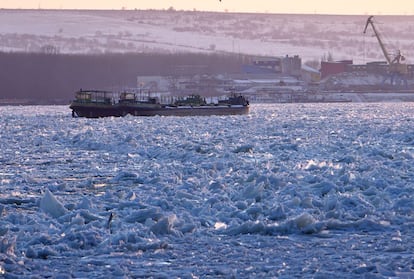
pixel 397 67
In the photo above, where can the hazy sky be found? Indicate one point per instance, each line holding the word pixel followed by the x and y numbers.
pixel 363 7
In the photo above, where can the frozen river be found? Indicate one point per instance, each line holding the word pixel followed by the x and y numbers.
pixel 311 191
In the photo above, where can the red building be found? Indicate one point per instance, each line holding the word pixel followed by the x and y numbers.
pixel 334 67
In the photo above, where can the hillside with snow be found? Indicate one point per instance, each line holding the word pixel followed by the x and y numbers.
pixel 310 36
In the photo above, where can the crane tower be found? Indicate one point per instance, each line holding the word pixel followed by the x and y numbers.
pixel 397 68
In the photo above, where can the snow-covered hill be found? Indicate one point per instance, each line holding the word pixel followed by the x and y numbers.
pixel 310 36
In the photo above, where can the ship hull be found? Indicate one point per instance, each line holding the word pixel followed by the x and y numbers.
pixel 201 111
pixel 93 111
pixel 99 103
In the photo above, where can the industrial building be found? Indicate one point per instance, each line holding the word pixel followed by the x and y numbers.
pixel 264 79
pixel 375 67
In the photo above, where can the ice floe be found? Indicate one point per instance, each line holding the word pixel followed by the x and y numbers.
pixel 314 190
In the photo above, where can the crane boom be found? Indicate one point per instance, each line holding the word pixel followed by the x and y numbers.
pixel 377 35
pixel 395 63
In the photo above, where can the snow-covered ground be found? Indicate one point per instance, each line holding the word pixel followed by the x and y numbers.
pixel 310 36
pixel 293 190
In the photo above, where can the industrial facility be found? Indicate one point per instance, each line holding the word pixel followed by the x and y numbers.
pixel 287 79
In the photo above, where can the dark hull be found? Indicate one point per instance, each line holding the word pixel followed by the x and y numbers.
pixel 190 111
pixel 95 111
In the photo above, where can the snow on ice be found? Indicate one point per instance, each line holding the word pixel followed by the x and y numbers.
pixel 293 190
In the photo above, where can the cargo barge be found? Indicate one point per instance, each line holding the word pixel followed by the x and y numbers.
pixel 97 103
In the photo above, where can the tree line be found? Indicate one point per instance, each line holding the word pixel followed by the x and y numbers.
pixel 46 78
